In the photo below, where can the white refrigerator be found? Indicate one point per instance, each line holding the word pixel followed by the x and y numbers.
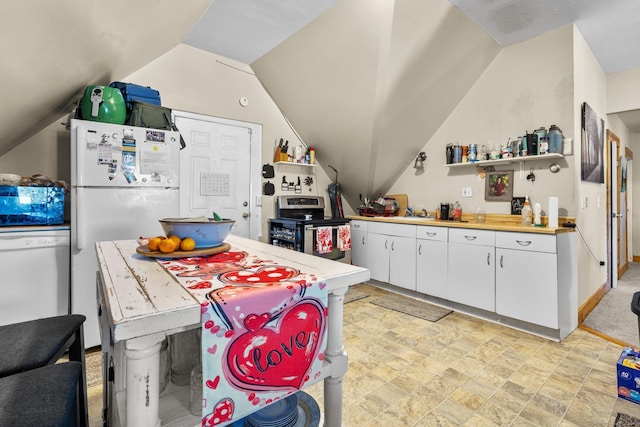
pixel 123 180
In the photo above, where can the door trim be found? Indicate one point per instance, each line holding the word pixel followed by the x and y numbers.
pixel 612 270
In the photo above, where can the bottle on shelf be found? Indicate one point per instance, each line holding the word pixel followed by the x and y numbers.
pixel 527 212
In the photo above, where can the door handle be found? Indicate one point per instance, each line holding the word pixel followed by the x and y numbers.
pixel 245 215
pixel 501 257
pixel 489 258
pixel 392 245
pixel 420 249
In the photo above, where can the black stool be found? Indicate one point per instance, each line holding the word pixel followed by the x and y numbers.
pixel 37 343
pixel 47 396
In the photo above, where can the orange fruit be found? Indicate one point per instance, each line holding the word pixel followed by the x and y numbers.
pixel 154 243
pixel 167 246
pixel 187 244
pixel 176 240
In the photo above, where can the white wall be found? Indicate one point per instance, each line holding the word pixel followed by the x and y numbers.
pixel 590 87
pixel 623 91
pixel 188 79
pixel 509 98
pixel 47 153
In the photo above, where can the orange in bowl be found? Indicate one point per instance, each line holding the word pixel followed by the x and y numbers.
pixel 187 244
pixel 167 246
pixel 154 243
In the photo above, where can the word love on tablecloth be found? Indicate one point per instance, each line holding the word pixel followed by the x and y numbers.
pixel 279 356
pixel 263 331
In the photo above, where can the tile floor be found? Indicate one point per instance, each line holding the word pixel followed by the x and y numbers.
pixel 462 371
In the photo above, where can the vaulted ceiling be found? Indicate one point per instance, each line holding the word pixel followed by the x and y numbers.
pixel 357 77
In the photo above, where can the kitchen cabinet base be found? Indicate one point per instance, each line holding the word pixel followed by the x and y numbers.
pixel 541 331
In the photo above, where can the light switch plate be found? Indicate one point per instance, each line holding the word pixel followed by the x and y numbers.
pixel 567 146
pixel 466 192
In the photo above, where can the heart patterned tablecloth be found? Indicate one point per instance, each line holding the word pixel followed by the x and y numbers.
pixel 264 329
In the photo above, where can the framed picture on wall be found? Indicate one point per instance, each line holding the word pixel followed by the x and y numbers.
pixel 498 186
pixel 592 167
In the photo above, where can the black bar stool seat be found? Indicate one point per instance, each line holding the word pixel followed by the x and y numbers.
pixel 37 343
pixel 47 396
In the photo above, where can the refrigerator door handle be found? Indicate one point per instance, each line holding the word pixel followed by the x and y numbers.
pixel 79 223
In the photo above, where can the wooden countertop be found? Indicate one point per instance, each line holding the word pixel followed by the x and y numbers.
pixel 495 222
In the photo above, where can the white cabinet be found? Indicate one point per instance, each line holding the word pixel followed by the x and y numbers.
pixel 358 243
pixel 534 282
pixel 471 268
pixel 526 280
pixel 391 254
pixel 431 261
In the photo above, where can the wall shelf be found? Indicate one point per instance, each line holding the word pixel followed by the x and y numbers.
pixel 308 165
pixel 483 163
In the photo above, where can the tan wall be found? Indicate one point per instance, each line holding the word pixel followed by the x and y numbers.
pixel 590 87
pixel 623 91
pixel 506 101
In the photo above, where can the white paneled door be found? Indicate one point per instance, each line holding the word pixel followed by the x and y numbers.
pixel 215 170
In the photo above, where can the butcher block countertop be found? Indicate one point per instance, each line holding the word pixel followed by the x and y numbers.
pixel 495 222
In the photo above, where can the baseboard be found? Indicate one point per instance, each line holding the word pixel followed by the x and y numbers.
pixel 592 302
pixel 605 337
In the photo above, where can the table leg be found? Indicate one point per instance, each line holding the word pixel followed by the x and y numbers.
pixel 142 381
pixel 336 355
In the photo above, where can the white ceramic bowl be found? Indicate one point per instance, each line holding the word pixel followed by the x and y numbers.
pixel 206 232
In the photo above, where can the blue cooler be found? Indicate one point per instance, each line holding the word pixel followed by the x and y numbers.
pixel 133 92
pixel 103 104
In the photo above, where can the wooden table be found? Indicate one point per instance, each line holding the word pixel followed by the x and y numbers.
pixel 140 304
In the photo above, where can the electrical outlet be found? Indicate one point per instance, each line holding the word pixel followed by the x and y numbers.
pixel 466 192
pixel 585 202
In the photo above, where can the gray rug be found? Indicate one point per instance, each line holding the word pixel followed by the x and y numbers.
pixel 624 420
pixel 354 295
pixel 411 306
pixel 613 315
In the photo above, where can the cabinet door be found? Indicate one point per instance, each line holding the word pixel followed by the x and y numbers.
pixel 472 275
pixel 431 271
pixel 402 262
pixel 378 256
pixel 358 248
pixel 526 286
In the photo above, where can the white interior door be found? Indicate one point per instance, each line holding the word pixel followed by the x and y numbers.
pixel 215 170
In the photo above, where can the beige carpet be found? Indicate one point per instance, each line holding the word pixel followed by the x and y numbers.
pixel 613 315
pixel 412 306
